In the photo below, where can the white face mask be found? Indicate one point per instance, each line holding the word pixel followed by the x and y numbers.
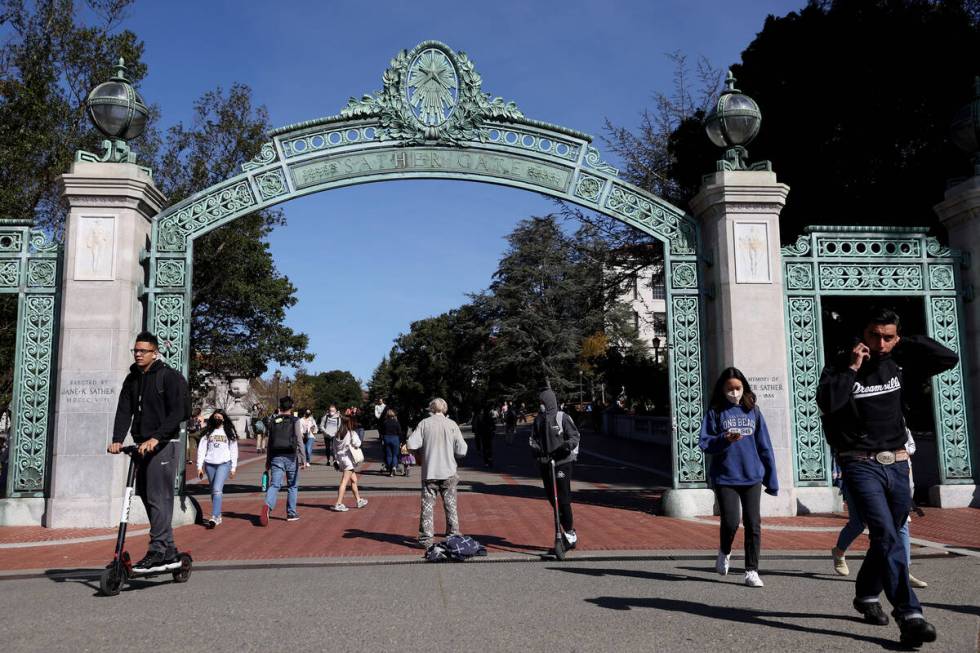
pixel 734 396
pixel 543 409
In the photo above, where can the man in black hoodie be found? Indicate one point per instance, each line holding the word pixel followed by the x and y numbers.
pixel 152 404
pixel 860 395
pixel 554 436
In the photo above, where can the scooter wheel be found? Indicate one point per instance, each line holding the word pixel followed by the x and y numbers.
pixel 111 581
pixel 183 574
pixel 560 547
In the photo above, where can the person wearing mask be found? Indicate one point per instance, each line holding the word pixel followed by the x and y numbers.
pixel 554 436
pixel 217 457
pixel 329 425
pixel 734 432
pixel 861 395
pixel 286 454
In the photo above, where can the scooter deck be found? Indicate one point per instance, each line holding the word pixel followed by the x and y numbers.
pixel 159 569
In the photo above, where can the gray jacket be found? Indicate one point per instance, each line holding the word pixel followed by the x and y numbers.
pixel 440 442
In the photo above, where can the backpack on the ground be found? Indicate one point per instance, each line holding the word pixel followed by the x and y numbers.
pixel 281 433
pixel 459 548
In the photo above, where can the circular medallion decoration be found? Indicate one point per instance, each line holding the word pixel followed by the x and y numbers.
pixel 432 87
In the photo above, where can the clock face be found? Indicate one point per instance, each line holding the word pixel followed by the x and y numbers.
pixel 432 87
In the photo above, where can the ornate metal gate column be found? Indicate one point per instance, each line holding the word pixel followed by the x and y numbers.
pixel 30 267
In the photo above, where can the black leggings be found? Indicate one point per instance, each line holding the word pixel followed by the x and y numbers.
pixel 729 498
pixel 563 473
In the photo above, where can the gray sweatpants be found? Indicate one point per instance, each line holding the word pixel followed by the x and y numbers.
pixel 155 486
pixel 446 488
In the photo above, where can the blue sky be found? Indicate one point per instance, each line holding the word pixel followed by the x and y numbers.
pixel 369 260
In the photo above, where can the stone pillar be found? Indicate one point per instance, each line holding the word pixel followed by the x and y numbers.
pixel 960 214
pixel 745 319
pixel 109 223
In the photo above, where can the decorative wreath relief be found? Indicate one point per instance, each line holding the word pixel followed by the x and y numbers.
pixel 432 95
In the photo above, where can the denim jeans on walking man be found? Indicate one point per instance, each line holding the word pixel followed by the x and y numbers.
pixel 855 526
pixel 217 475
pixel 283 466
pixel 309 442
pixel 882 496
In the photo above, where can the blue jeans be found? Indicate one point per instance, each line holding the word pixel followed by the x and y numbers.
pixel 310 441
pixel 392 444
pixel 882 496
pixel 283 466
pixel 217 475
pixel 855 526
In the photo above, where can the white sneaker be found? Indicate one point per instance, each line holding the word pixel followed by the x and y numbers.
pixel 752 579
pixel 361 503
pixel 571 537
pixel 340 508
pixel 721 565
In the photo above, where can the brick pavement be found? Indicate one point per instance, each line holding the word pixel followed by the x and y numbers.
pixel 503 508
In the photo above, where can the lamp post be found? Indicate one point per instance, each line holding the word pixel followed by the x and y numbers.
pixel 732 123
pixel 656 349
pixel 580 386
pixel 277 376
pixel 289 385
pixel 116 110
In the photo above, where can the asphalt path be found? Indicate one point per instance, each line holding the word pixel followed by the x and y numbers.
pixel 655 603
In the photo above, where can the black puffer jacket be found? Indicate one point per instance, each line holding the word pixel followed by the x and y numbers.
pixel 147 412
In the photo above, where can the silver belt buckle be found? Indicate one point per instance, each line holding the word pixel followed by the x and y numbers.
pixel 885 457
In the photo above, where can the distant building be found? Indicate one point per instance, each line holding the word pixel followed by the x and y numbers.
pixel 645 295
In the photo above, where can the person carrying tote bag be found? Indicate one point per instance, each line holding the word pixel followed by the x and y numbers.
pixel 347 455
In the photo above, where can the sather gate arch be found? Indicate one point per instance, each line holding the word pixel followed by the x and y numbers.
pixel 432 120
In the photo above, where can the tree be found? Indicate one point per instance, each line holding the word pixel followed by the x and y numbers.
pixel 856 97
pixel 337 387
pixel 240 299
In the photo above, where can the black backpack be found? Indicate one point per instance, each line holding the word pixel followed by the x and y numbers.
pixel 184 389
pixel 281 431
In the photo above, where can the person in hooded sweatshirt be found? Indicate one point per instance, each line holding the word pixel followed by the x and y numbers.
pixel 734 432
pixel 861 396
pixel 554 436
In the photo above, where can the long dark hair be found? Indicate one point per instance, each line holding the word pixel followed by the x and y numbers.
pixel 225 423
pixel 719 401
pixel 347 425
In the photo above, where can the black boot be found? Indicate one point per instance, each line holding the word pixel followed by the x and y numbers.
pixel 873 614
pixel 916 631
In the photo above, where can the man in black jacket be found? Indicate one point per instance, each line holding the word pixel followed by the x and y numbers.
pixel 861 399
pixel 152 404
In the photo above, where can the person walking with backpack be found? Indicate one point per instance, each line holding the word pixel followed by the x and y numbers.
pixel 261 431
pixel 348 455
pixel 330 424
pixel 439 442
pixel 734 432
pixel 554 437
pixel 217 456
pixel 861 396
pixel 153 402
pixel 286 454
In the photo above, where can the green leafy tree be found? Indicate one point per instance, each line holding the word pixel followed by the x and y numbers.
pixel 338 387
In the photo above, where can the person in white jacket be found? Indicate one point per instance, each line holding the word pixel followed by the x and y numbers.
pixel 344 444
pixel 217 457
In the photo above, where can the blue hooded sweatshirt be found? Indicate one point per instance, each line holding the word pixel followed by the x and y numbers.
pixel 746 461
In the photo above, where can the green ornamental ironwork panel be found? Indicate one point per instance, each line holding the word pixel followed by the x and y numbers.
pixel 810 449
pixel 29 267
pixel 431 119
pixel 871 262
pixel 950 404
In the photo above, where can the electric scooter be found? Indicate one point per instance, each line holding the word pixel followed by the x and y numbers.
pixel 559 533
pixel 118 572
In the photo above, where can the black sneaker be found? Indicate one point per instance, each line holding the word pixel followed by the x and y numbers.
pixel 292 517
pixel 873 614
pixel 151 561
pixel 916 631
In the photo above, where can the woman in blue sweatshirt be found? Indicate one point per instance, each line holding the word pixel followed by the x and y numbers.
pixel 734 433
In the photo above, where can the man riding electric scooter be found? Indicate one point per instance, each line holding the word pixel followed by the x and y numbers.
pixel 153 402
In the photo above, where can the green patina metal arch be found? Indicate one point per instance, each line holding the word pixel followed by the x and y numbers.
pixel 872 261
pixel 30 267
pixel 432 120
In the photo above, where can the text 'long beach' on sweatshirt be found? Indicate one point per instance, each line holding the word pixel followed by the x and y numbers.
pixel 746 461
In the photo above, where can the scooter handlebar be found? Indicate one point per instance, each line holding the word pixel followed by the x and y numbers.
pixel 130 450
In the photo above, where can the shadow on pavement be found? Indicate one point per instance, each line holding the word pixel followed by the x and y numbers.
pixel 961 609
pixel 743 616
pixel 389 538
pixel 829 577
pixel 634 573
